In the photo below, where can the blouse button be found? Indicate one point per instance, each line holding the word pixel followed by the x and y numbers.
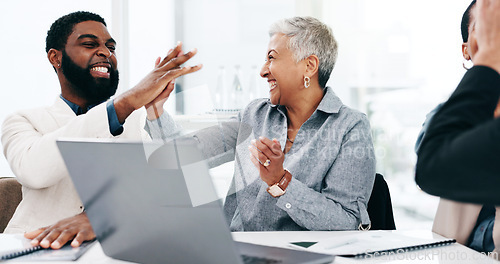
pixel 288 205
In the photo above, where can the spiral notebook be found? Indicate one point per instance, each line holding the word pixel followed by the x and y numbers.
pixel 15 247
pixel 374 243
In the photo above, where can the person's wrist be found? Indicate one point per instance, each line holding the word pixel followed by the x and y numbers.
pixel 271 182
pixel 123 107
pixel 153 112
pixel 285 179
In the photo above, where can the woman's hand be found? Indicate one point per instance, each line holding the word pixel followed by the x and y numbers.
pixel 268 157
pixel 154 109
pixel 487 13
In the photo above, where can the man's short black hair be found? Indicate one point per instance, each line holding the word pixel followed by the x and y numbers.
pixel 466 22
pixel 63 27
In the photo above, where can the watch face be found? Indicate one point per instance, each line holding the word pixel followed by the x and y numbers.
pixel 275 190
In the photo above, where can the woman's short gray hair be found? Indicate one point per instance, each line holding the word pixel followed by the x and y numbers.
pixel 309 36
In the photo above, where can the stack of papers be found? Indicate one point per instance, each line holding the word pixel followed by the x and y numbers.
pixel 371 242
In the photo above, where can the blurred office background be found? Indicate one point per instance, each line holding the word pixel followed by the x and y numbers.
pixel 397 60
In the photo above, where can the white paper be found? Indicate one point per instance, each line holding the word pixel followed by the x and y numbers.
pixel 369 242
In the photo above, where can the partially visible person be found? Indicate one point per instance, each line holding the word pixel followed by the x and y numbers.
pixel 303 160
pixel 469 49
pixel 82 53
pixel 457 159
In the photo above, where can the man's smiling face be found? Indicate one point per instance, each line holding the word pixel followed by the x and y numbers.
pixel 89 62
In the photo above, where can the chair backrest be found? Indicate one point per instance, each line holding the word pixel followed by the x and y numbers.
pixel 380 206
pixel 10 197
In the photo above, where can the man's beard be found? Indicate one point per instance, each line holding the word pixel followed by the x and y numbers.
pixel 94 90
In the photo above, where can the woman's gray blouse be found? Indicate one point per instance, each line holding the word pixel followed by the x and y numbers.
pixel 332 163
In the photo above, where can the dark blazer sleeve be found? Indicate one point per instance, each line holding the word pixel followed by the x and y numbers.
pixel 459 157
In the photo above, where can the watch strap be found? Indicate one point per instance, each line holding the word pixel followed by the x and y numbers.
pixel 282 184
pixel 285 180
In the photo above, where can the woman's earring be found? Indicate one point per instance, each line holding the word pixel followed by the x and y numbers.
pixel 307 82
pixel 467 67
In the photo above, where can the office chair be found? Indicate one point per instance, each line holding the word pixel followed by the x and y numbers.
pixel 10 197
pixel 380 206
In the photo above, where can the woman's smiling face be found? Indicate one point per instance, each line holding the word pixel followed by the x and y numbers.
pixel 282 72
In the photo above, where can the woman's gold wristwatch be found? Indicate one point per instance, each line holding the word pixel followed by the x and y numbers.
pixel 279 188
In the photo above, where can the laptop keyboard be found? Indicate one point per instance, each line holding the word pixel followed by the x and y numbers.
pixel 258 260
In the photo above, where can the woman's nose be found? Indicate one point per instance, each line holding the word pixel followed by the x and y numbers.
pixel 264 71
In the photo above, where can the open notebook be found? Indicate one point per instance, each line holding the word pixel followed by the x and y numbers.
pixel 18 248
pixel 373 243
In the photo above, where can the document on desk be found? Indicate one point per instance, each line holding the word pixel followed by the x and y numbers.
pixel 14 247
pixel 374 243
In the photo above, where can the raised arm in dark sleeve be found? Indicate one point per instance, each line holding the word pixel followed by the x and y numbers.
pixel 459 158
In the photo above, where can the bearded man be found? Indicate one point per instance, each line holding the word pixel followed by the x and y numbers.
pixel 82 52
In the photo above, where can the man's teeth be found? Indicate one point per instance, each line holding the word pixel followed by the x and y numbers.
pixel 272 85
pixel 100 69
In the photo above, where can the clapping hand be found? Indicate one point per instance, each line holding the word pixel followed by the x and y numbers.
pixel 268 157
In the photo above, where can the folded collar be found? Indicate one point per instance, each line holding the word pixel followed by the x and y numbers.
pixel 330 103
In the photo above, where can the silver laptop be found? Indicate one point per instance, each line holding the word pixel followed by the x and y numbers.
pixel 156 203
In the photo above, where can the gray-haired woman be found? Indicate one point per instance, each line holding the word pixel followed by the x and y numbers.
pixel 303 160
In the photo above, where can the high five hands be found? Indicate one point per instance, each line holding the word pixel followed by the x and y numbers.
pixel 154 109
pixel 157 85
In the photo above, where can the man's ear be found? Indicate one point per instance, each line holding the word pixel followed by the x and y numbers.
pixel 55 57
pixel 465 51
pixel 312 65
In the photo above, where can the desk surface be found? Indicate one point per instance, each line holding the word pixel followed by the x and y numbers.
pixel 455 253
